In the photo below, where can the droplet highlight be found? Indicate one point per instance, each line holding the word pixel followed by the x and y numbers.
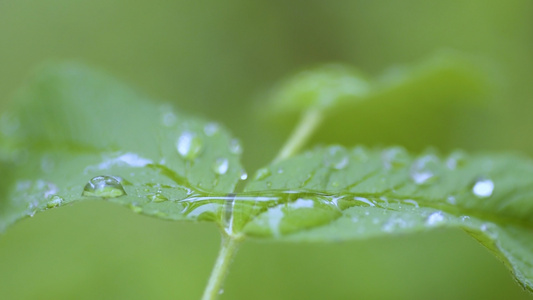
pixel 483 188
pixel 189 145
pixel 336 157
pixel 54 201
pixel 221 166
pixel 424 169
pixel 104 187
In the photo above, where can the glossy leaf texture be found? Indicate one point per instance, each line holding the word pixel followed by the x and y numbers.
pixel 334 194
pixel 73 131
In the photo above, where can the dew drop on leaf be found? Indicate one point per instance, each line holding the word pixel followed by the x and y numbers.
pixel 221 166
pixel 336 157
pixel 54 201
pixel 158 197
pixel 435 218
pixel 244 175
pixel 103 186
pixel 211 128
pixel 394 158
pixel 189 145
pixel 235 146
pixel 169 119
pixel 483 188
pixel 262 174
pixel 424 169
pixel 455 160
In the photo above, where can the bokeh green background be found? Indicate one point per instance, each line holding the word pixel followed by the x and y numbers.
pixel 214 58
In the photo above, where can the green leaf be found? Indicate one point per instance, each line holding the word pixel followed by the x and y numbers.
pixel 70 126
pixel 339 90
pixel 334 193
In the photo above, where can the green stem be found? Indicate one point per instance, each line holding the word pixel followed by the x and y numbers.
pixel 227 252
pixel 301 134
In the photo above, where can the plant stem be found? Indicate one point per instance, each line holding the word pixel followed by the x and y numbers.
pixel 225 255
pixel 301 134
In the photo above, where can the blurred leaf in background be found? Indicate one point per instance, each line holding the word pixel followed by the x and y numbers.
pixel 212 58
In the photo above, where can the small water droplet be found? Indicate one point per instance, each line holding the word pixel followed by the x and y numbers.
pixel 269 184
pixel 435 218
pixel 221 166
pixel 483 188
pixel 451 200
pixel 158 197
pixel 364 200
pixel 262 174
pixel 54 201
pixel 336 157
pixel 9 124
pixel 394 158
pixel 189 145
pixel 104 186
pixel 244 175
pixel 424 169
pixel 280 171
pixel 169 119
pixel 211 128
pixel 136 208
pixel 235 146
pixel 455 160
pixel 412 202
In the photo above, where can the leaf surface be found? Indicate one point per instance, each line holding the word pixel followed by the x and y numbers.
pixel 71 125
pixel 334 194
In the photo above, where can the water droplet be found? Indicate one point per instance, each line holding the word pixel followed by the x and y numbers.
pixel 189 145
pixel 336 157
pixel 456 159
pixel 280 171
pixel 394 158
pixel 451 200
pixel 483 188
pixel 235 146
pixel 424 169
pixel 169 119
pixel 262 174
pixel 435 218
pixel 158 197
pixel 103 186
pixel 244 175
pixel 413 202
pixel 221 166
pixel 54 201
pixel 9 124
pixel 136 208
pixel 211 128
pixel 364 200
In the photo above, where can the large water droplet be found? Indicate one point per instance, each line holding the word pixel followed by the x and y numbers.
pixel 189 145
pixel 262 174
pixel 235 146
pixel 54 201
pixel 336 157
pixel 221 166
pixel 103 186
pixel 483 188
pixel 424 169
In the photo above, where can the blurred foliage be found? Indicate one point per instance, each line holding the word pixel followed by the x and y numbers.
pixel 216 59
